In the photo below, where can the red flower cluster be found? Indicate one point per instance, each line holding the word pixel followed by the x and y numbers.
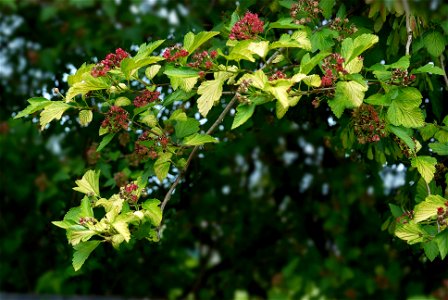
pixel 367 125
pixel 112 60
pixel 116 119
pixel 174 53
pixel 442 214
pixel 402 77
pixel 203 59
pixel 145 98
pixel 247 28
pixel 332 66
pixel 129 192
pixel 278 75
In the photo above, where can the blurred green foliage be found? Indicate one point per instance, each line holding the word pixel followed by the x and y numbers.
pixel 264 216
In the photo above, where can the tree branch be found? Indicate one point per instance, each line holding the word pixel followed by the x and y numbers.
pixel 442 64
pixel 212 128
pixel 408 25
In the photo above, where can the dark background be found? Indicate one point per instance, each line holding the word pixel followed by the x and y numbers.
pixel 275 213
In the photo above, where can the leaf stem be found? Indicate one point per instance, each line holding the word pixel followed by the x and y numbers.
pixel 408 25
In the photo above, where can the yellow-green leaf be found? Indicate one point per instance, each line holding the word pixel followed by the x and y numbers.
pixel 428 208
pixel 53 111
pixel 82 252
pixel 410 232
pixel 89 183
pixel 426 166
pixel 85 117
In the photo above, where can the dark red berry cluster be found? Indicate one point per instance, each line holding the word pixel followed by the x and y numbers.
pixel 116 119
pixel 142 151
pixel 442 214
pixel 112 60
pixel 203 59
pixel 368 127
pixel 129 192
pixel 332 67
pixel 174 53
pixel 247 28
pixel 278 75
pixel 120 179
pixel 146 97
pixel 91 155
pixel 304 11
pixel 341 26
pixel 402 77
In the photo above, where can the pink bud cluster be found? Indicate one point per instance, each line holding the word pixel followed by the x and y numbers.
pixel 203 59
pixel 278 75
pixel 368 127
pixel 442 214
pixel 402 77
pixel 341 26
pixel 405 217
pixel 174 53
pixel 116 119
pixel 332 66
pixel 146 97
pixel 247 28
pixel 129 192
pixel 304 11
pixel 112 60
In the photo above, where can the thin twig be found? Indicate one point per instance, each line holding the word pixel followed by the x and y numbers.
pixel 408 25
pixel 209 131
pixel 442 64
pixel 193 153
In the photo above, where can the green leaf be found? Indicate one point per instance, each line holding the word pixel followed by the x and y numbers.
pixel 428 208
pixel 307 63
pixel 106 140
pixel 186 84
pixel 82 252
pixel 429 68
pixel 35 104
pixel 180 72
pixel 85 117
pixel 442 243
pixel 149 119
pixel 62 224
pixel 122 101
pixel 146 49
pixel 435 43
pixel 86 208
pixel 361 43
pixel 122 228
pixel 428 131
pixel 187 127
pixel 152 71
pixel 431 249
pixel 405 134
pixel 378 99
pixel 192 42
pixel 439 148
pixel 210 92
pixel 77 234
pixel 412 233
pixel 348 94
pixel 88 84
pixel 404 109
pixel 153 211
pixel 198 139
pixel 396 210
pixel 243 113
pixel 403 63
pixel 441 136
pixel 258 79
pixel 162 165
pixel 426 166
pixel 285 23
pixel 78 76
pixel 178 95
pixel 323 39
pixel 89 183
pixel 298 39
pixel 327 7
pixel 53 111
pixel 280 91
pixel 259 48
